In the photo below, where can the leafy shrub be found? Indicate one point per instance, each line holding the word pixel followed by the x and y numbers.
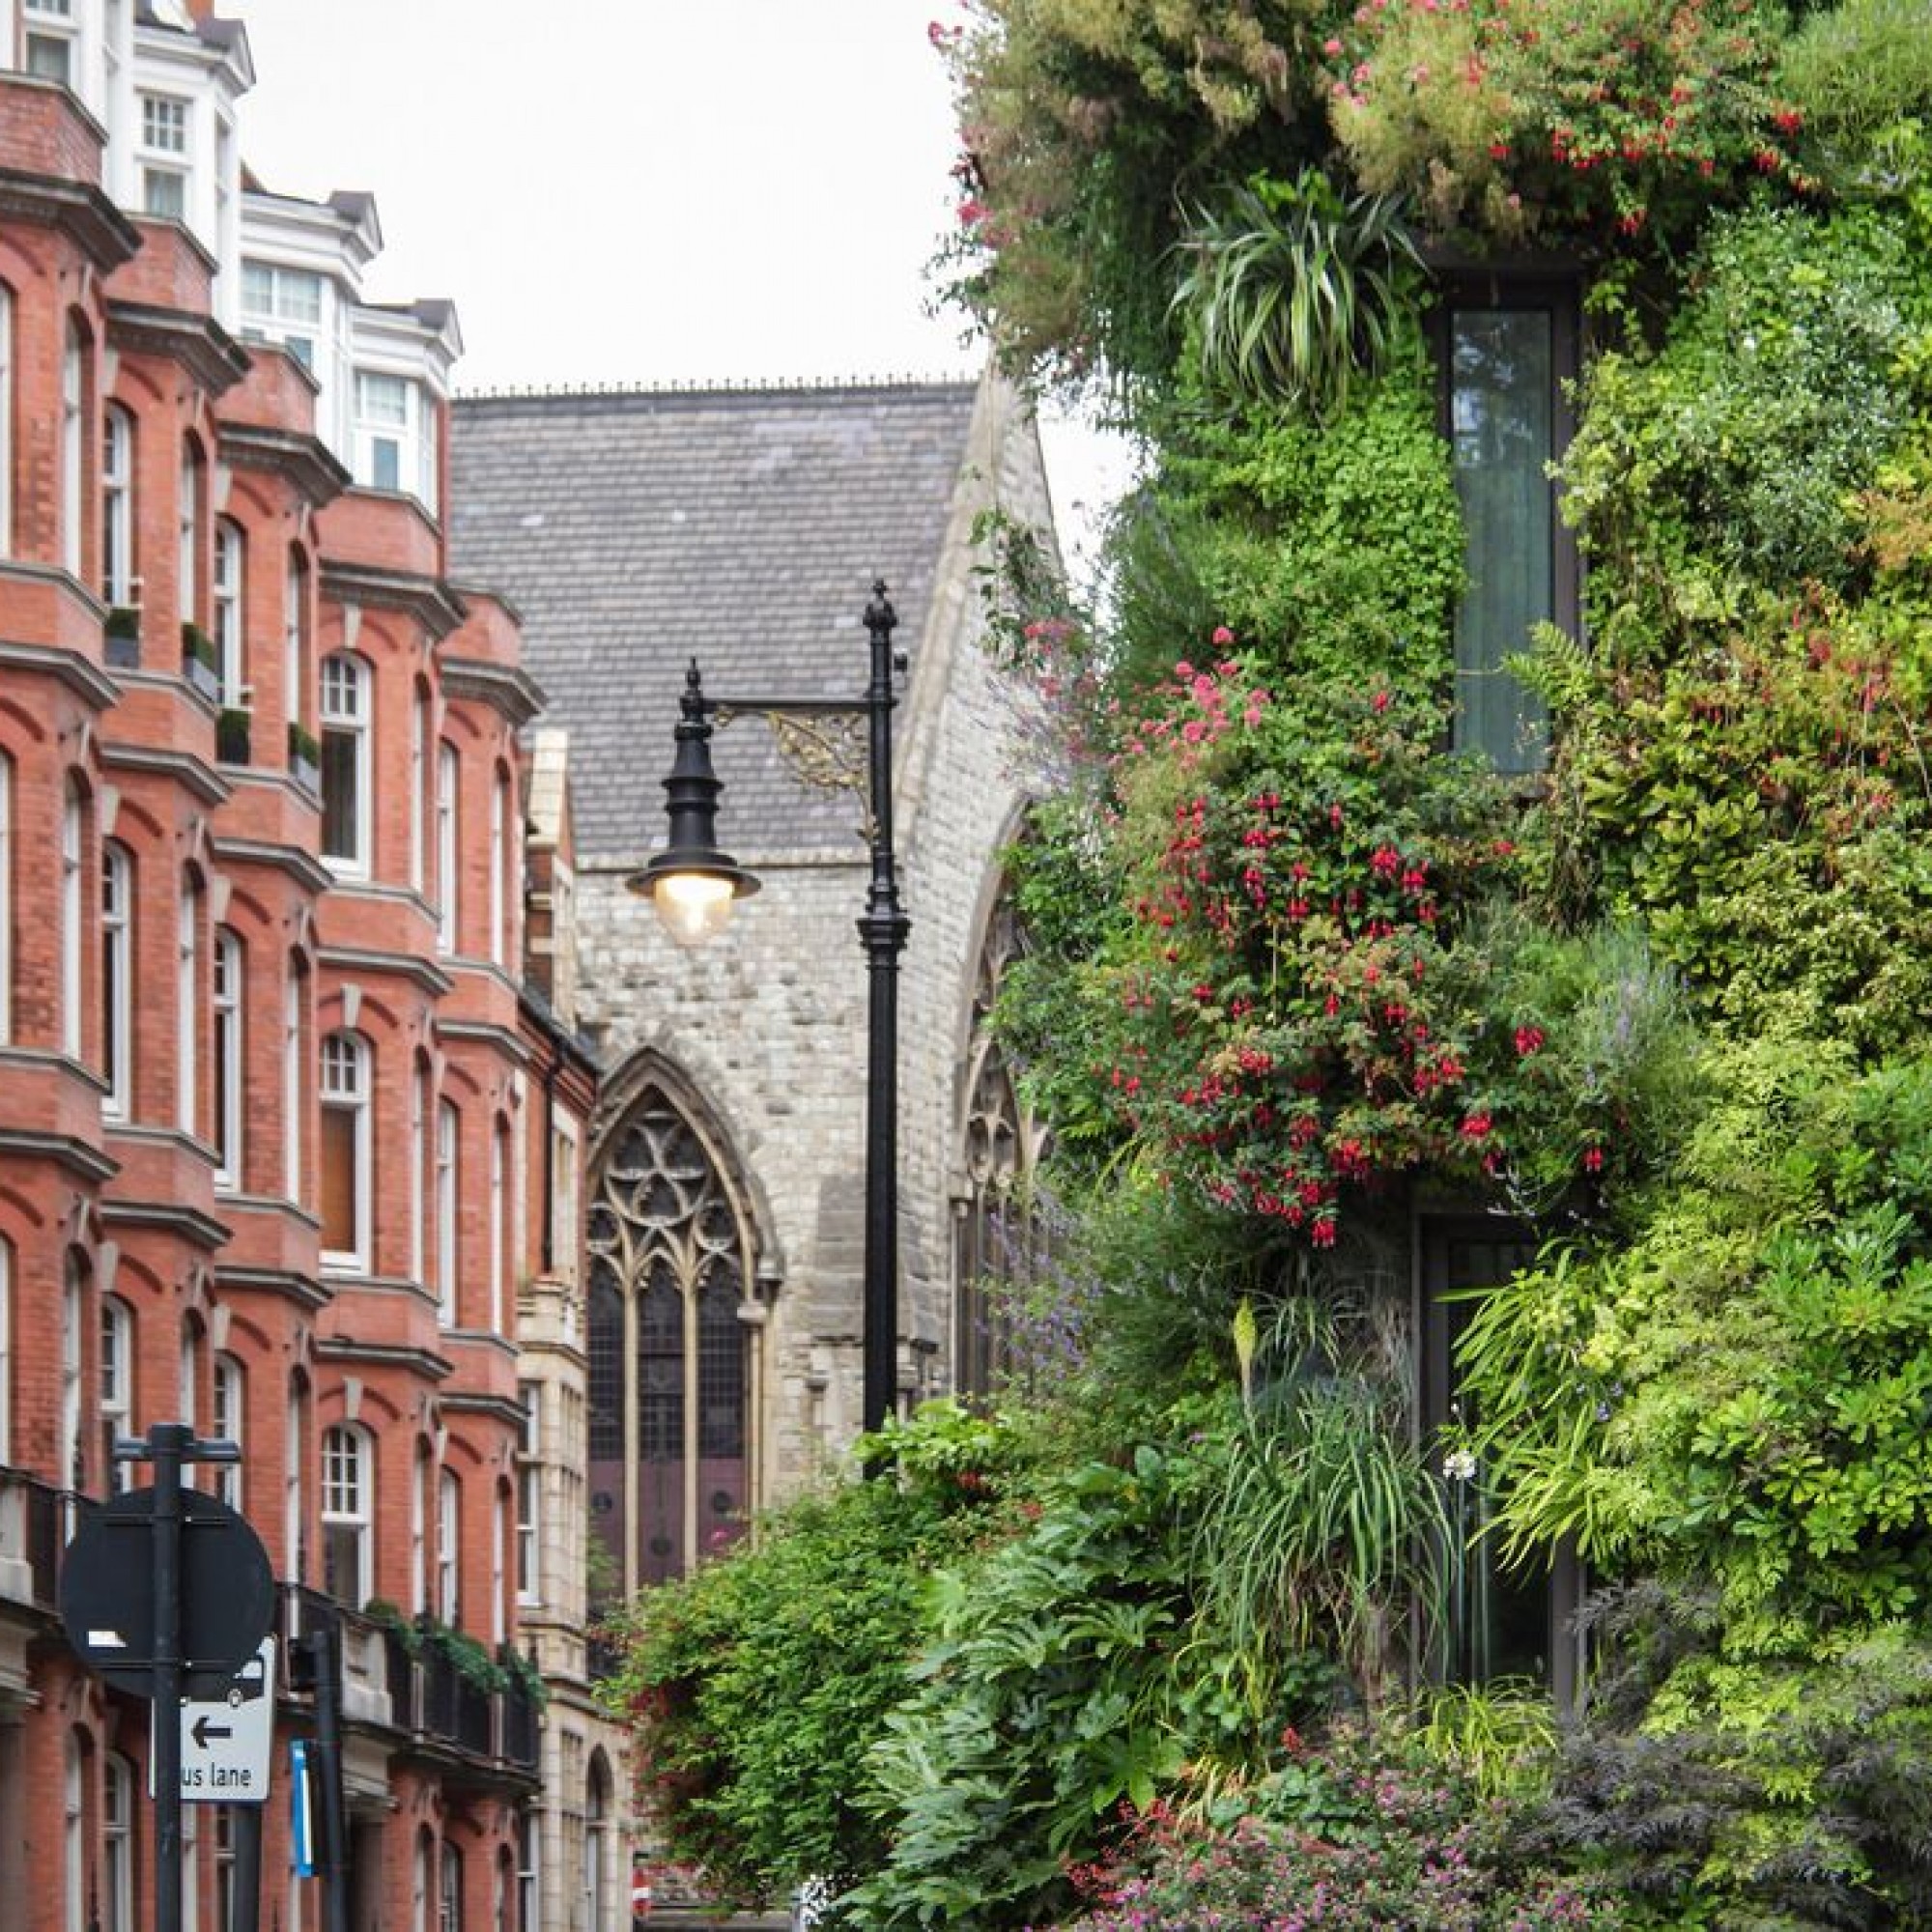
pixel 1514 115
pixel 1788 1793
pixel 1761 810
pixel 1391 1841
pixel 1728 464
pixel 754 1684
pixel 1736 1393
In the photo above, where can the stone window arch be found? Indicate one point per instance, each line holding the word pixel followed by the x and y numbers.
pixel 998 1234
pixel 673 1373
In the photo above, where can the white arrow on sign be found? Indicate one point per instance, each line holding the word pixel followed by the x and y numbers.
pixel 226 1741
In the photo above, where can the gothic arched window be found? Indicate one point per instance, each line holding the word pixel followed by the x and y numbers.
pixel 670 1354
pixel 999 1236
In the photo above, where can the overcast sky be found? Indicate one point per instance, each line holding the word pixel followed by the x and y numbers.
pixel 642 191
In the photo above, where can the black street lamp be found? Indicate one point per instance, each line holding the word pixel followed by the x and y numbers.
pixel 694 885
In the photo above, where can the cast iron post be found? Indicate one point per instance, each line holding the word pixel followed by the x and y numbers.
pixel 883 931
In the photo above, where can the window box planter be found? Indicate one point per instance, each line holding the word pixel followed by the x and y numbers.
pixel 305 759
pixel 232 735
pixel 199 664
pixel 122 637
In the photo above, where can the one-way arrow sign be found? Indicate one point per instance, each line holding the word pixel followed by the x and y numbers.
pixel 225 1743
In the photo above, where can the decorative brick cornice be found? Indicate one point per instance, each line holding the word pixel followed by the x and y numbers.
pixel 303 1291
pixel 195 776
pixel 358 959
pixel 422 598
pixel 85 679
pixel 78 209
pixel 198 343
pixel 77 1156
pixel 297 861
pixel 513 691
pixel 190 1223
pixel 303 461
pixel 384 1354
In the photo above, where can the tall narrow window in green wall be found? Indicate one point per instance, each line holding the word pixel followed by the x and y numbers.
pixel 1505 362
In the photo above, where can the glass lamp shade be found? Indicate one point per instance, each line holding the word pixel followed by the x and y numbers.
pixel 695 906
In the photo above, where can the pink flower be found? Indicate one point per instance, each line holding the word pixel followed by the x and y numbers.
pixel 1222 634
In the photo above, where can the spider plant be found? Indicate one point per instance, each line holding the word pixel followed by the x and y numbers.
pixel 1289 289
pixel 1323 1534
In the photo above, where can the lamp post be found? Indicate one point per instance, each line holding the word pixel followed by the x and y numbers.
pixel 695 884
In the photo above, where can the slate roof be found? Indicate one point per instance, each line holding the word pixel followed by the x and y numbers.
pixel 634 530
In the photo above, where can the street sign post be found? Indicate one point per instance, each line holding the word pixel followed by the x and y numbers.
pixel 148 1643
pixel 226 1741
pixel 226 1587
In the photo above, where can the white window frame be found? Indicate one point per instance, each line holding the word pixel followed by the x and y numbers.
pixel 419 792
pixel 349 1500
pixel 499 1234
pixel 227 612
pixel 6 1353
pixel 187 1005
pixel 563 1230
pixel 449 794
pixel 187 572
pixel 117 507
pixel 6 892
pixel 228 1388
pixel 418 1170
pixel 74 921
pixel 530 1494
pixel 500 1581
pixel 164 151
pixel 499 860
pixel 51 41
pixel 74 437
pixel 229 1071
pixel 448 1546
pixel 117 980
pixel 295 1482
pixel 274 309
pixel 448 1180
pixel 348 1087
pixel 293 995
pixel 295 635
pixel 114 1404
pixel 394 441
pixel 420 1531
pixel 117 1844
pixel 72 1370
pixel 187 1379
pixel 6 420
pixel 346 715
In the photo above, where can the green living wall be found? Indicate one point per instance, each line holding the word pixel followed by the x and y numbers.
pixel 1308 955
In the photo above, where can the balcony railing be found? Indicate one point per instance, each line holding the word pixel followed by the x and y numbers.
pixel 404 1679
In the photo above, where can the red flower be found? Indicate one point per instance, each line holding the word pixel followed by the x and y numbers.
pixel 1528 1039
pixel 1323 1233
pixel 1593 1161
pixel 1476 1127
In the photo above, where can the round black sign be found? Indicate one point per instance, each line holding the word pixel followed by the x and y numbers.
pixel 107 1592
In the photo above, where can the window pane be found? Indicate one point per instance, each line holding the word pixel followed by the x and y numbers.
pixel 1503 402
pixel 341 775
pixel 339 1218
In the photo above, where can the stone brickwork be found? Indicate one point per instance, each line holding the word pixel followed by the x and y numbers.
pixel 768 1024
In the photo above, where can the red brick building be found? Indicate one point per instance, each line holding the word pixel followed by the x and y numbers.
pixel 288 1147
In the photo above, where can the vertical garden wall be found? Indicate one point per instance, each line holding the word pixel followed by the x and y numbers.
pixel 1479 905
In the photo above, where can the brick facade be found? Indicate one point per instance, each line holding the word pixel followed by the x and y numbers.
pixel 280 1118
